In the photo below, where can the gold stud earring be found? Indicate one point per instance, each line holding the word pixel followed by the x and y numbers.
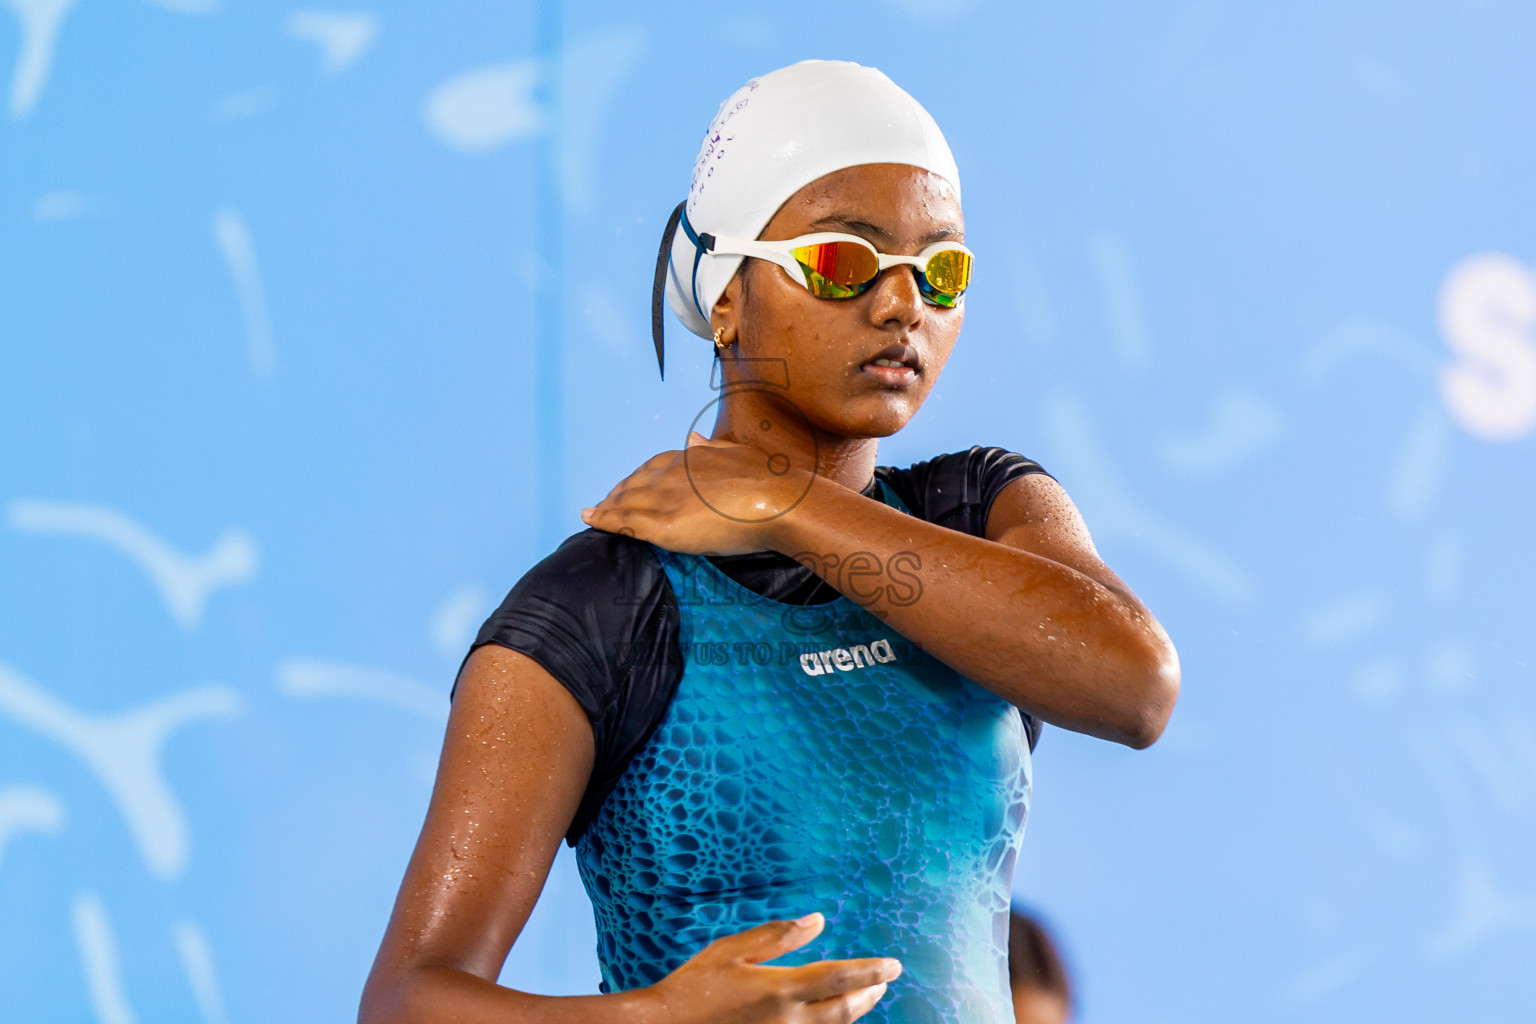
pixel 720 343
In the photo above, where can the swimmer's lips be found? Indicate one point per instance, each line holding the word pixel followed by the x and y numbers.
pixel 878 366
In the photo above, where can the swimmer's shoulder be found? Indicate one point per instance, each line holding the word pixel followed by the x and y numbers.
pixel 586 611
pixel 611 583
pixel 957 489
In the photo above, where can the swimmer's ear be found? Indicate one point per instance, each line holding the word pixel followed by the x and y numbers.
pixel 725 317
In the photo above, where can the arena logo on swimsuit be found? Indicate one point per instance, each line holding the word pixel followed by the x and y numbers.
pixel 846 659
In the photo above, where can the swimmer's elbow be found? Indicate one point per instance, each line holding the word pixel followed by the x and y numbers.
pixel 385 998
pixel 403 995
pixel 1156 691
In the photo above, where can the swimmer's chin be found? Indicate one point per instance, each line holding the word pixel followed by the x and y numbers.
pixel 880 423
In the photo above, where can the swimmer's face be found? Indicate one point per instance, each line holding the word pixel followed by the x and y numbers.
pixel 829 345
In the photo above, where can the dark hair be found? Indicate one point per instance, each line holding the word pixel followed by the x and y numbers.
pixel 1033 959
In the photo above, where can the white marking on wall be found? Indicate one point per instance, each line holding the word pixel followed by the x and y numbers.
pixel 1489 762
pixel 1032 302
pixel 1331 975
pixel 1240 424
pixel 1097 487
pixel 98 956
pixel 311 677
pixel 928 14
pixel 1449 667
pixel 62 205
pixel 610 325
pixel 1127 326
pixel 1357 337
pixel 237 106
pixel 39 22
pixel 489 107
pixel 185 582
pixel 1487 317
pixel 1420 465
pixel 124 752
pixel 234 241
pixel 591 72
pixel 457 620
pixel 1344 618
pixel 1445 778
pixel 1483 910
pixel 1377 681
pixel 341 35
pixel 1442 565
pixel 480 110
pixel 188 6
pixel 1396 838
pixel 1521 740
pixel 197 961
pixel 26 808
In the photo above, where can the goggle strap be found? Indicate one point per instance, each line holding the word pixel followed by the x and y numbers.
pixel 702 243
pixel 659 287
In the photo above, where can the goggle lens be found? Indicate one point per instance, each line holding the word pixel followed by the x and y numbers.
pixel 948 272
pixel 836 270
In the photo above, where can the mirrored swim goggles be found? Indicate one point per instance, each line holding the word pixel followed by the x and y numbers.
pixel 831 265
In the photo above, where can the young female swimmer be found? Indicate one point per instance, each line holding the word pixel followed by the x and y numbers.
pixel 782 700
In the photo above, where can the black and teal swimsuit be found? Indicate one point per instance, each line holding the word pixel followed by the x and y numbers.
pixel 800 755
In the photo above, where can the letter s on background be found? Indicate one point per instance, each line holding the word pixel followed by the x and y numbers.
pixel 1487 313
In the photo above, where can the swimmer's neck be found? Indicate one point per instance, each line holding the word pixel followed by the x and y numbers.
pixel 849 461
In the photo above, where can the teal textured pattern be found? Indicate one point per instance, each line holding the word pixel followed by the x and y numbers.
pixel 886 791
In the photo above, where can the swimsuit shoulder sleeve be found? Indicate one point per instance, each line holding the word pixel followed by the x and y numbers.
pixel 957 490
pixel 600 616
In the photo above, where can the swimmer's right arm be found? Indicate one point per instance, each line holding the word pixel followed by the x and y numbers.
pixel 516 759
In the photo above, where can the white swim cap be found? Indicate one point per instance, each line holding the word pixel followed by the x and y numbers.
pixel 769 139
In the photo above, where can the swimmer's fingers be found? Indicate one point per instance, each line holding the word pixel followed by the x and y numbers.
pixel 829 979
pixel 644 473
pixel 768 940
pixel 630 507
pixel 845 1008
pixel 628 522
pixel 627 495
pixel 630 497
pixel 727 980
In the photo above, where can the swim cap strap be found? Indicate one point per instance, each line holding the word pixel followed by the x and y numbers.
pixel 660 286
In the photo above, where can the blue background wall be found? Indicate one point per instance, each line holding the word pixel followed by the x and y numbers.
pixel 1255 284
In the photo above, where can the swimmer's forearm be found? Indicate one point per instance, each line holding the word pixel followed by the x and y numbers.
pixel 1045 637
pixel 433 995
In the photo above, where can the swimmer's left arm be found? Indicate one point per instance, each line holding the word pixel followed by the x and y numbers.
pixel 1030 611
